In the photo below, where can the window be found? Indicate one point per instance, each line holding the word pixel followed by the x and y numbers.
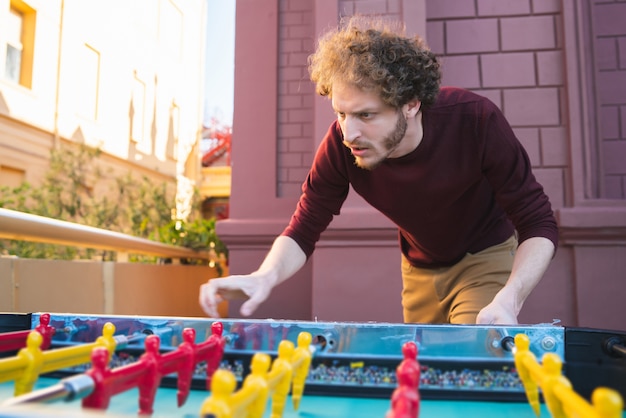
pixel 11 177
pixel 13 62
pixel 19 34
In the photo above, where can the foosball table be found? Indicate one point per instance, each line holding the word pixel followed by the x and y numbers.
pixel 69 365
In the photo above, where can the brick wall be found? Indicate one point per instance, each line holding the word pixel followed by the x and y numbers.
pixel 296 94
pixel 486 46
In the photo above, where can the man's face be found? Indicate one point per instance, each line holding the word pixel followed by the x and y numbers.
pixel 371 129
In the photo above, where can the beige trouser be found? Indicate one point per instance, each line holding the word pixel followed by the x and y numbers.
pixel 456 294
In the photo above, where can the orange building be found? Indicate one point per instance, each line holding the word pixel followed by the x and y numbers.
pixel 127 78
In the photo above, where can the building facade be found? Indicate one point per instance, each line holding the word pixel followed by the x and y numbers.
pixel 557 69
pixel 125 77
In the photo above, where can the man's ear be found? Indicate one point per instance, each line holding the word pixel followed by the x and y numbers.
pixel 412 108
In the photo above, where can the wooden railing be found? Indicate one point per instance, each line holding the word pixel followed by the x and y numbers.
pixel 27 227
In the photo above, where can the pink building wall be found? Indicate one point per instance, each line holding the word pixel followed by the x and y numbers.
pixel 557 69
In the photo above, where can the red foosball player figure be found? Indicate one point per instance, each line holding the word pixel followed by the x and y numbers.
pixel 188 354
pixel 212 351
pixel 405 398
pixel 151 378
pixel 100 373
pixel 46 331
pixel 11 341
pixel 142 374
pixel 409 354
pixel 182 362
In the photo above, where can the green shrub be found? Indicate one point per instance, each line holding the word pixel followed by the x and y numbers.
pixel 72 191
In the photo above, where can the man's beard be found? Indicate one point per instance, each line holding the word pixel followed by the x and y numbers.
pixel 390 143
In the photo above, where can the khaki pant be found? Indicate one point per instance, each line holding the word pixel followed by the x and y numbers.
pixel 456 294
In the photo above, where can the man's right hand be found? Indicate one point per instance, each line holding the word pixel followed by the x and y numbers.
pixel 253 287
pixel 283 260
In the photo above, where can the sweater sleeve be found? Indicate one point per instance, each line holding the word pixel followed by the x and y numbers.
pixel 508 169
pixel 323 193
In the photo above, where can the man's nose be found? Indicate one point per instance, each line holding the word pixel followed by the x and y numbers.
pixel 351 129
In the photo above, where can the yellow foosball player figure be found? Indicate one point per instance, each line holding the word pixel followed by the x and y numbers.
pixel 525 360
pixel 289 370
pixel 254 392
pixel 280 377
pixel 31 361
pixel 561 399
pixel 33 357
pixel 301 364
pixel 223 385
pixel 563 402
pixel 555 385
pixel 607 402
pixel 247 402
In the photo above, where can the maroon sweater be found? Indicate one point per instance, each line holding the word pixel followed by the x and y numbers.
pixel 466 187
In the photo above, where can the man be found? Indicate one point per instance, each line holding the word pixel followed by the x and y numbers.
pixel 442 163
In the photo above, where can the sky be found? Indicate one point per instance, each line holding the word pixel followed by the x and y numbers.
pixel 220 61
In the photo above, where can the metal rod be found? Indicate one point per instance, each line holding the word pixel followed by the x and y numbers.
pixel 68 389
pixel 28 227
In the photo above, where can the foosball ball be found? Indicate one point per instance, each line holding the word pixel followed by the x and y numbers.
pixel 87 365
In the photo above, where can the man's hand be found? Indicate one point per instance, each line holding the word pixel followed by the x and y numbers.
pixel 252 287
pixel 496 314
pixel 284 259
pixel 531 261
pixel 502 310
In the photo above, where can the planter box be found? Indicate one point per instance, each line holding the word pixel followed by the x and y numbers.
pixel 95 287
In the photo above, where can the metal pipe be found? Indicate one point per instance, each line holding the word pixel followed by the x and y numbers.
pixel 75 387
pixel 28 227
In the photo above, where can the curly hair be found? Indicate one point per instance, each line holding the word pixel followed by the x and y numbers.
pixel 373 55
